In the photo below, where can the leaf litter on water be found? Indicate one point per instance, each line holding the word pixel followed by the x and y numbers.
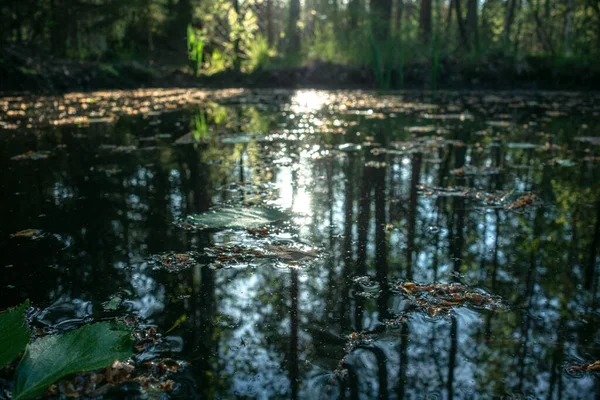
pixel 32 155
pixel 174 261
pixel 439 299
pixel 593 367
pixel 290 254
pixel 32 234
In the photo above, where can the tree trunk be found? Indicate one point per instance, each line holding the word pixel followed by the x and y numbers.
pixel 425 21
pixel 59 28
pixel 398 17
pixel 354 10
pixel 236 40
pixel 183 18
pixel 381 15
pixel 270 32
pixel 509 19
pixel 473 23
pixel 449 23
pixel 568 27
pixel 292 31
pixel 461 26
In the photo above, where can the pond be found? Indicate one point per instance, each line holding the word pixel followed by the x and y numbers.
pixel 313 244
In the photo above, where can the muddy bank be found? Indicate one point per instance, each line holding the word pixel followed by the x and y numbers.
pixel 24 70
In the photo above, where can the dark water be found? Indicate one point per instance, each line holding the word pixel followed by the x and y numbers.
pixel 499 192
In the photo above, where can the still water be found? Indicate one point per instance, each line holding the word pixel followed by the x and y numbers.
pixel 446 245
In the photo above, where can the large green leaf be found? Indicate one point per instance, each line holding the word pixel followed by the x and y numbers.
pixel 14 333
pixel 233 217
pixel 52 357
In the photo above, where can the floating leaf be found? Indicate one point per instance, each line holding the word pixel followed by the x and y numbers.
pixel 172 261
pixel 32 155
pixel 523 201
pixel 523 146
pixel 113 303
pixel 586 367
pixel 14 333
pixel 439 298
pixel 240 138
pixel 152 376
pixel 292 254
pixel 32 234
pixel 232 217
pixel 350 147
pixel 589 139
pixel 563 162
pixel 50 358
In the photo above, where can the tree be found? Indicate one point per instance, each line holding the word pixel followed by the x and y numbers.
pixel 292 31
pixel 425 21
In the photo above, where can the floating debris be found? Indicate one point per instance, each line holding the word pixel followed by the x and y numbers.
pixel 292 254
pixel 118 149
pixel 173 261
pixel 523 201
pixel 113 304
pixel 235 255
pixel 32 155
pixel 32 234
pixel 152 376
pixel 499 124
pixel 523 146
pixel 472 171
pixel 589 139
pixel 232 217
pixel 595 366
pixel 439 299
pixel 354 341
pixel 422 129
pixel 396 321
pixel 349 147
pixel 232 255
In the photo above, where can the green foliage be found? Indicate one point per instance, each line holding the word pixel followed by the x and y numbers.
pixel 235 217
pixel 199 128
pixel 259 54
pixel 381 63
pixel 218 62
pixel 14 333
pixel 85 349
pixel 195 46
pixel 109 70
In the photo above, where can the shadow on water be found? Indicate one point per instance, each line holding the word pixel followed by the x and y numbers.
pixel 495 193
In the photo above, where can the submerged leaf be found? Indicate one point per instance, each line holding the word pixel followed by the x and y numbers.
pixel 14 333
pixel 232 217
pixel 50 358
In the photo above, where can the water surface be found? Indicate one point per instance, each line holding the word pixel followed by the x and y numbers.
pixel 497 192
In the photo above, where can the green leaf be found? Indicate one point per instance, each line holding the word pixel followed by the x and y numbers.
pixel 233 217
pixel 14 333
pixel 85 349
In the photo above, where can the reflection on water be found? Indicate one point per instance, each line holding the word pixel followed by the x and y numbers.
pixel 497 192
